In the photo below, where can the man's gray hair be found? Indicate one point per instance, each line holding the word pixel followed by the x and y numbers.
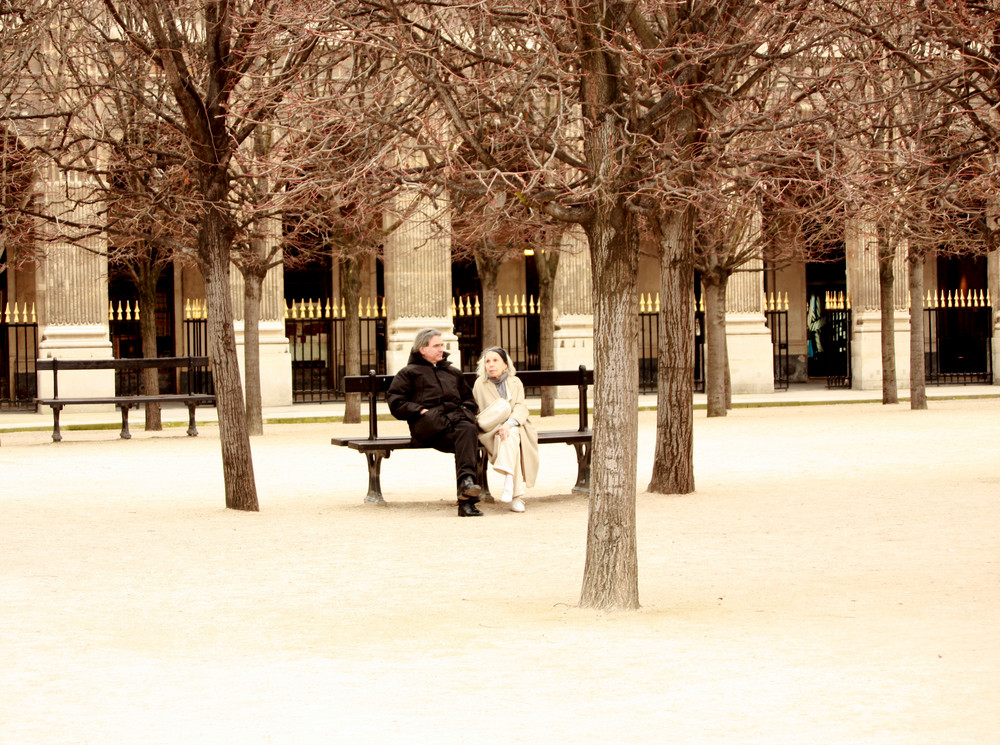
pixel 423 339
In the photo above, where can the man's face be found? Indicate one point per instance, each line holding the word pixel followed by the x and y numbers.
pixel 434 351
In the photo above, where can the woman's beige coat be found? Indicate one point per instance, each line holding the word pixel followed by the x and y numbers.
pixel 485 393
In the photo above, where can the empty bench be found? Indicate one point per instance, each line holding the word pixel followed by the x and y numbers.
pixel 125 402
pixel 376 447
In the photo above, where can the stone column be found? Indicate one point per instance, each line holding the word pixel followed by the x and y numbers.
pixel 72 290
pixel 275 355
pixel 748 339
pixel 574 311
pixel 417 268
pixel 861 245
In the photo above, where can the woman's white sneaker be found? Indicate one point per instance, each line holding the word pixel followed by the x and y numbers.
pixel 516 505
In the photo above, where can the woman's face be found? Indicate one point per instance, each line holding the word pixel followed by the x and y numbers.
pixel 494 364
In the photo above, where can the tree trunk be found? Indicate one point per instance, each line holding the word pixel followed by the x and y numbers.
pixel 547 263
pixel 890 394
pixel 918 372
pixel 673 459
pixel 149 382
pixel 253 283
pixel 350 291
pixel 610 577
pixel 489 270
pixel 714 294
pixel 214 244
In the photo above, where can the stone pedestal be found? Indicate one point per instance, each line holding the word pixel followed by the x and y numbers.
pixel 866 350
pixel 748 339
pixel 275 356
pixel 751 353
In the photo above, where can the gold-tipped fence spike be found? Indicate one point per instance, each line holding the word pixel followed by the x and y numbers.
pixel 17 315
pixel 524 303
pixel 136 310
pixel 454 310
pixel 507 304
pixel 531 307
pixel 642 303
pixel 111 311
pixel 343 308
pixel 478 308
pixel 34 318
pixel 6 313
pixel 989 303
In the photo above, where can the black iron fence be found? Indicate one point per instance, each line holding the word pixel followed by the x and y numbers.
pixel 776 318
pixel 18 352
pixel 835 336
pixel 958 338
pixel 649 311
pixel 318 346
pixel 126 342
pixel 519 327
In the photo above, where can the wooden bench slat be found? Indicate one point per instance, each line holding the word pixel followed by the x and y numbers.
pixel 122 363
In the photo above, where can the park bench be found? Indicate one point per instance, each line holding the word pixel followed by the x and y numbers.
pixel 376 448
pixel 125 402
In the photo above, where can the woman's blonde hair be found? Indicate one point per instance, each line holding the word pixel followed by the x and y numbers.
pixel 481 365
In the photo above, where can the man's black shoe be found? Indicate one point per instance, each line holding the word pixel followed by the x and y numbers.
pixel 468 487
pixel 467 508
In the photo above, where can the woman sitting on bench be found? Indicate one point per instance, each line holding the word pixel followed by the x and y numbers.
pixel 507 431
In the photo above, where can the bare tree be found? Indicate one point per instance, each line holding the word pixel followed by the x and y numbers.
pixel 226 69
pixel 591 91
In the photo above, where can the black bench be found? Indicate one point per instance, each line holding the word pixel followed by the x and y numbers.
pixel 125 402
pixel 376 448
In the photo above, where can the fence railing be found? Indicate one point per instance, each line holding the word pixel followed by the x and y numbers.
pixel 776 318
pixel 519 328
pixel 318 346
pixel 18 353
pixel 126 342
pixel 836 335
pixel 958 337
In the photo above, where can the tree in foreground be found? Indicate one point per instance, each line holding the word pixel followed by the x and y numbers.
pixel 591 92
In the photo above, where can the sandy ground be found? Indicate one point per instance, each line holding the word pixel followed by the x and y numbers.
pixel 834 579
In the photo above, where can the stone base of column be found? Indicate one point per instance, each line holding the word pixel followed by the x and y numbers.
pixel 401 332
pixel 574 346
pixel 751 353
pixel 866 351
pixel 77 343
pixel 275 362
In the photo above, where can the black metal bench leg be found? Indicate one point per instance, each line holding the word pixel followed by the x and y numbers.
pixel 192 430
pixel 374 459
pixel 582 468
pixel 481 474
pixel 125 435
pixel 56 433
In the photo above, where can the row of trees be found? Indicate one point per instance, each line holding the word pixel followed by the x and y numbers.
pixel 223 132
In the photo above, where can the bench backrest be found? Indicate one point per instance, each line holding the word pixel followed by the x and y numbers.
pixel 373 385
pixel 125 363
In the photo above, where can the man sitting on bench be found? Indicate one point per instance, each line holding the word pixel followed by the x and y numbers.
pixel 434 399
